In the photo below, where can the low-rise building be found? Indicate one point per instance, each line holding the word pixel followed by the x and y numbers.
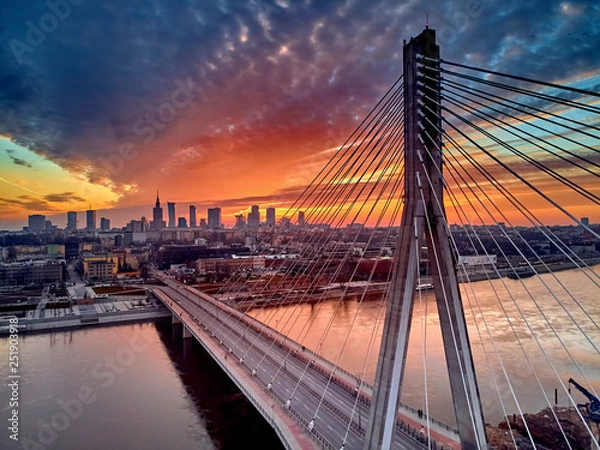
pixel 207 265
pixel 100 270
pixel 103 266
pixel 31 272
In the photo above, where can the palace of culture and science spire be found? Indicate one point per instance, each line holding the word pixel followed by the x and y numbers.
pixel 157 216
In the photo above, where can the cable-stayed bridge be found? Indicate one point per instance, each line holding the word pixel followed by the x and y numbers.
pixel 426 235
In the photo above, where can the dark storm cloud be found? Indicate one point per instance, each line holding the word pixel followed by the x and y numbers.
pixel 260 67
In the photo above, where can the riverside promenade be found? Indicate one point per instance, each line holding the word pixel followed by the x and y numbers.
pixel 113 311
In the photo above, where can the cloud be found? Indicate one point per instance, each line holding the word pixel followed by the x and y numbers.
pixel 65 197
pixel 21 162
pixel 36 204
pixel 25 202
pixel 80 96
pixel 18 161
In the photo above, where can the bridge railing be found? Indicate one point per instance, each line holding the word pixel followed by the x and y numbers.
pixel 348 382
pixel 304 423
pixel 418 435
pixel 437 422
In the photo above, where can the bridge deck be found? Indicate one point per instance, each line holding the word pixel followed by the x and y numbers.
pixel 239 344
pixel 289 431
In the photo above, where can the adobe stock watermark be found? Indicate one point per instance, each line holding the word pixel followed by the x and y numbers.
pixel 459 19
pixel 151 124
pixel 58 12
pixel 13 378
pixel 68 410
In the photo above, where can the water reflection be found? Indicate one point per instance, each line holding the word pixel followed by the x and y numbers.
pixel 231 420
pixel 129 386
pixel 505 336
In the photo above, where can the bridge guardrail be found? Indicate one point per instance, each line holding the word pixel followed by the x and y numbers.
pixel 330 375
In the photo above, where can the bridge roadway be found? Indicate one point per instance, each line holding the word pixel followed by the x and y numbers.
pixel 283 379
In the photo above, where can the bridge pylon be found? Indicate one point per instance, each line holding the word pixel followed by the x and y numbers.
pixel 424 221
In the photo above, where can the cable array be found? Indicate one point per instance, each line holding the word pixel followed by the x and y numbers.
pixel 510 147
pixel 518 156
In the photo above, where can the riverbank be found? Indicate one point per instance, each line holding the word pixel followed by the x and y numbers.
pixel 98 314
pixel 522 271
pixel 545 431
pixel 365 291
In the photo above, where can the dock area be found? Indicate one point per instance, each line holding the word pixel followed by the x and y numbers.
pixel 110 311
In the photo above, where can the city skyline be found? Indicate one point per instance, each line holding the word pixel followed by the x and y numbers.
pixel 266 80
pixel 189 211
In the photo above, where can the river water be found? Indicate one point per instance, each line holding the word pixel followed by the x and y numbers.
pixel 126 387
pixel 141 387
pixel 502 341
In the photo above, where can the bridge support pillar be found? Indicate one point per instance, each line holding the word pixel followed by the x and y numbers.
pixel 175 319
pixel 186 332
pixel 423 221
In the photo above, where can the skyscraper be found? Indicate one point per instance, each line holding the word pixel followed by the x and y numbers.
pixel 37 222
pixel 104 224
pixel 301 220
pixel 157 215
pixel 240 222
pixel 214 218
pixel 171 209
pixel 90 219
pixel 193 216
pixel 71 220
pixel 254 218
pixel 270 217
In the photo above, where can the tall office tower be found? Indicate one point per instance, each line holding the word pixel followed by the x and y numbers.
pixel 71 220
pixel 301 220
pixel 181 222
pixel 157 215
pixel 90 219
pixel 270 217
pixel 193 216
pixel 585 221
pixel 171 209
pixel 37 222
pixel 254 218
pixel 240 222
pixel 214 218
pixel 104 224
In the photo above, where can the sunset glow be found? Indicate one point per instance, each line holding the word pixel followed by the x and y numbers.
pixel 231 104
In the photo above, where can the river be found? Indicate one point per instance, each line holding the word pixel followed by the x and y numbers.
pixel 126 387
pixel 344 332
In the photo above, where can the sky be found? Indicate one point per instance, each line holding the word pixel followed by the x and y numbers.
pixel 229 103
